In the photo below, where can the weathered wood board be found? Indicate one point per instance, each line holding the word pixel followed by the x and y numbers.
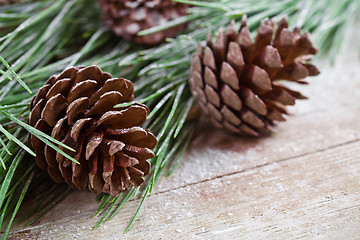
pixel 303 182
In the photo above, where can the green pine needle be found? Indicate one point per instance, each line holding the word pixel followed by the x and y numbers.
pixel 42 136
pixel 10 173
pixel 42 38
pixel 173 109
pixel 58 197
pixel 19 201
pixel 138 209
pixel 16 140
pixel 15 75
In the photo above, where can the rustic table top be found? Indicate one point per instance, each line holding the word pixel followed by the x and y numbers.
pixel 302 182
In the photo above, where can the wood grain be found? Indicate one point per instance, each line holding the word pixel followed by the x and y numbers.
pixel 316 195
pixel 303 182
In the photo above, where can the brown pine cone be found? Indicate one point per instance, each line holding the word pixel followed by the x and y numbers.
pixel 77 108
pixel 237 81
pixel 8 2
pixel 128 17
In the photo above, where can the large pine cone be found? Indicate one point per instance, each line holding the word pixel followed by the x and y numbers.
pixel 236 81
pixel 128 17
pixel 77 108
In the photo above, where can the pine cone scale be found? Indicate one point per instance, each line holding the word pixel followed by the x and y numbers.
pixel 212 96
pixel 82 89
pixel 228 75
pixel 230 98
pixel 251 119
pixel 50 157
pixel 270 59
pixel 253 101
pixel 94 141
pixel 209 78
pixel 258 79
pixel 53 109
pixel 135 135
pixel 35 114
pixel 62 86
pixel 76 107
pixel 41 94
pixel 230 117
pixel 209 59
pixel 235 58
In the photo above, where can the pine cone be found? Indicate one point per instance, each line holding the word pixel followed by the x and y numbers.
pixel 236 81
pixel 8 2
pixel 77 108
pixel 128 17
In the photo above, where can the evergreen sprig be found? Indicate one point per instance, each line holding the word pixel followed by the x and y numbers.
pixel 42 38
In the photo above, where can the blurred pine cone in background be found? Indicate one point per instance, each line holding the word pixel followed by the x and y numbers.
pixel 128 17
pixel 77 108
pixel 237 81
pixel 8 2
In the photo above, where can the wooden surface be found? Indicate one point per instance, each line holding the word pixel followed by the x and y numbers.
pixel 303 182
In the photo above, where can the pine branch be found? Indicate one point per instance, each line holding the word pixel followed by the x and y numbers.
pixel 40 39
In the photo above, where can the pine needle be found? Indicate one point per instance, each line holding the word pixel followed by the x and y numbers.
pixel 42 136
pixel 10 173
pixel 19 201
pixel 138 209
pixel 16 140
pixel 173 109
pixel 15 75
pixel 43 38
pixel 51 203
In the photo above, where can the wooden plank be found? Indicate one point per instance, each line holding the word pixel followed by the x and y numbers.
pixel 294 198
pixel 303 182
pixel 327 119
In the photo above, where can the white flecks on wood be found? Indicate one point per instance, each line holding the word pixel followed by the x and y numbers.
pixel 303 182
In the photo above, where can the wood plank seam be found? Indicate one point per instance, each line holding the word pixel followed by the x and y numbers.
pixel 222 176
pixel 255 167
pixel 217 231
